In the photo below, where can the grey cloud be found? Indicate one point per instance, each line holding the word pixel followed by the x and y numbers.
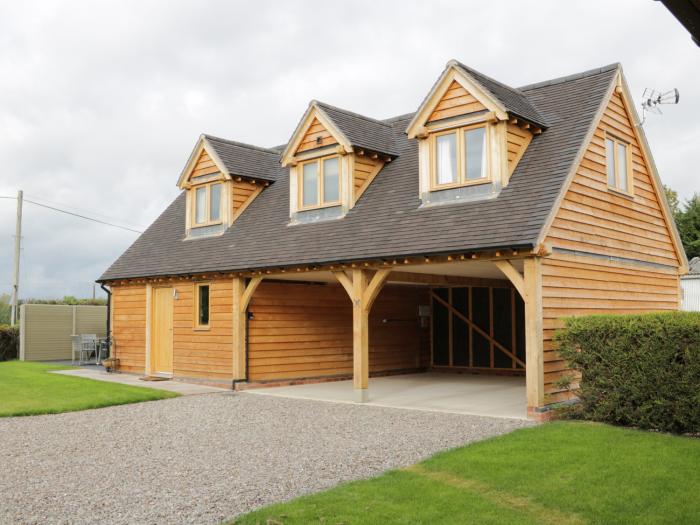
pixel 101 102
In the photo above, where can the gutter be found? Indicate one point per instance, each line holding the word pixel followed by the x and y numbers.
pixel 109 308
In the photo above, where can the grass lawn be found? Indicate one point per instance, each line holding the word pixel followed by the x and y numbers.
pixel 29 389
pixel 560 473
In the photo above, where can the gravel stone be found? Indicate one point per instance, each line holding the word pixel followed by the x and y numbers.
pixel 203 459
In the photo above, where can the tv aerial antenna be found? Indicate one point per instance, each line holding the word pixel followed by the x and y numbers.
pixel 653 99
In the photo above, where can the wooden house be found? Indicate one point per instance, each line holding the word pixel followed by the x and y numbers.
pixel 453 238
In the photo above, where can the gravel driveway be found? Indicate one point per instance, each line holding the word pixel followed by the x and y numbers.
pixel 206 458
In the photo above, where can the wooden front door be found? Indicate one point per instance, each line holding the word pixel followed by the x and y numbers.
pixel 162 330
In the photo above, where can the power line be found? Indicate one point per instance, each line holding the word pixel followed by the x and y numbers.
pixel 83 216
pixel 67 212
pixel 76 209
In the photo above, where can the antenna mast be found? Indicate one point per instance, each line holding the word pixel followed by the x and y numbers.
pixel 652 99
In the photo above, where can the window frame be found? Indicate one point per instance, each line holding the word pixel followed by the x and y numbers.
pixel 320 203
pixel 197 324
pixel 461 158
pixel 617 141
pixel 207 205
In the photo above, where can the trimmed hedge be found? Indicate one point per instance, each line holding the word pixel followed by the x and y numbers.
pixel 636 370
pixel 9 342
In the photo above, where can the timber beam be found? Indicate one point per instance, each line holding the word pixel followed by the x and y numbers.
pixel 529 286
pixel 243 291
pixel 362 288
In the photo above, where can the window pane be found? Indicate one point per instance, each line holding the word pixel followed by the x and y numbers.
pixel 446 152
pixel 200 205
pixel 309 194
pixel 610 161
pixel 475 145
pixel 622 165
pixel 215 202
pixel 331 180
pixel 203 313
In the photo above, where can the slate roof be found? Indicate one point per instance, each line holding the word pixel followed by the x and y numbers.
pixel 387 220
pixel 362 132
pixel 245 160
pixel 514 100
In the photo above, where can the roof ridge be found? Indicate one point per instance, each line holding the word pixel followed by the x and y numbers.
pixel 241 144
pixel 571 77
pixel 471 69
pixel 404 116
pixel 370 119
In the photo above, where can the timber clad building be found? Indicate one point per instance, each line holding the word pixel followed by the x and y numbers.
pixel 454 238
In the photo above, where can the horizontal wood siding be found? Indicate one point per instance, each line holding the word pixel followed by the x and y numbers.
pixel 593 218
pixel 241 192
pixel 203 353
pixel 365 169
pixel 456 101
pixel 518 140
pixel 315 132
pixel 306 331
pixel 573 286
pixel 205 166
pixel 129 326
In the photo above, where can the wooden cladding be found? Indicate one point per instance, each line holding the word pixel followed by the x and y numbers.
pixel 129 326
pixel 300 330
pixel 364 170
pixel 574 286
pixel 316 136
pixel 518 140
pixel 456 101
pixel 204 166
pixel 297 330
pixel 594 218
pixel 478 327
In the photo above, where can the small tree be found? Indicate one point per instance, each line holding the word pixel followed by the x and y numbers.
pixel 5 308
pixel 688 222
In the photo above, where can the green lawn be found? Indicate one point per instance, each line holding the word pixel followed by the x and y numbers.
pixel 28 389
pixel 560 473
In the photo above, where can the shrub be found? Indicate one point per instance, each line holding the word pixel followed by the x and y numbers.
pixel 637 370
pixel 9 342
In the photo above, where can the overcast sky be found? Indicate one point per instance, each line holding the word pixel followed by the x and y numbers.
pixel 101 102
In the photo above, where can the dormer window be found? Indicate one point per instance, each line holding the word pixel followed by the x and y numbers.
pixel 459 158
pixel 207 204
pixel 320 183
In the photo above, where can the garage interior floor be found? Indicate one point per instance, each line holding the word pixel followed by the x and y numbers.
pixel 482 395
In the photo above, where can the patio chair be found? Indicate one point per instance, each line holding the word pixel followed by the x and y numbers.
pixel 76 347
pixel 88 347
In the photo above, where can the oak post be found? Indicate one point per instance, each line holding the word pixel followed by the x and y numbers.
pixel 534 332
pixel 242 294
pixel 360 337
pixel 239 330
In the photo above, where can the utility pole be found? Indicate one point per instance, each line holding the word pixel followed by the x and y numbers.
pixel 18 242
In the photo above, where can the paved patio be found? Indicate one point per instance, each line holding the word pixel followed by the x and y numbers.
pixel 98 374
pixel 203 459
pixel 481 395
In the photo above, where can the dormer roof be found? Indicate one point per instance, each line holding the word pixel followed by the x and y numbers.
pixel 514 101
pixel 234 159
pixel 362 132
pixel 502 100
pixel 350 130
